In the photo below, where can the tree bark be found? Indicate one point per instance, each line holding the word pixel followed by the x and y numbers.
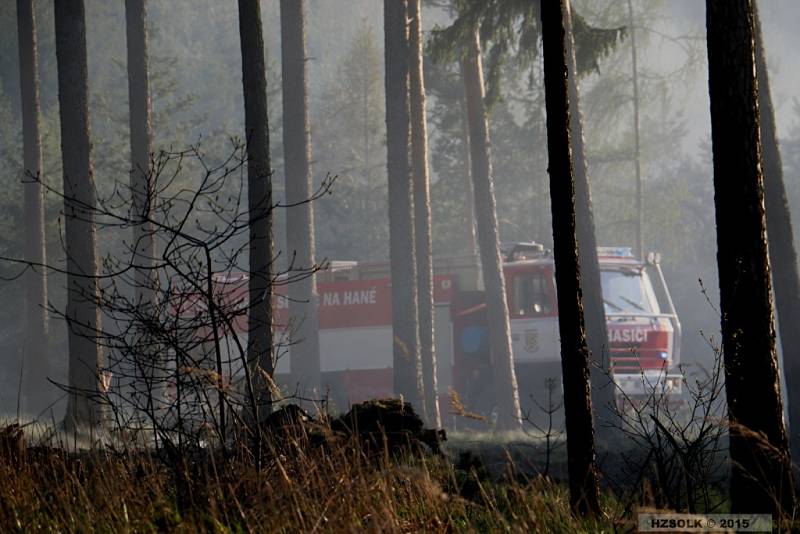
pixel 469 205
pixel 152 367
pixel 36 324
pixel 637 157
pixel 761 470
pixel 782 254
pixel 303 298
pixel 259 193
pixel 141 147
pixel 422 214
pixel 405 325
pixel 82 314
pixel 583 482
pixel 505 379
pixel 603 390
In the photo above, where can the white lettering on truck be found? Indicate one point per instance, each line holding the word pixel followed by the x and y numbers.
pixel 350 298
pixel 364 296
pixel 627 335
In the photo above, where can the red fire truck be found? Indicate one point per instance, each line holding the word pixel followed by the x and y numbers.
pixel 355 320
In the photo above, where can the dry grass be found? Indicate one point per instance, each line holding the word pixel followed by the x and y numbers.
pixel 300 488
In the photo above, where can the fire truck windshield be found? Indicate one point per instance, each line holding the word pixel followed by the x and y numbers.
pixel 628 292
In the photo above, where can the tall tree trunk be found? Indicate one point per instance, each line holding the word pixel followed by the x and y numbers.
pixel 637 158
pixel 782 254
pixel 36 324
pixel 469 205
pixel 83 314
pixel 405 324
pixel 141 146
pixel 365 155
pixel 259 195
pixel 505 379
pixel 152 369
pixel 422 214
pixel 603 390
pixel 761 473
pixel 583 483
pixel 303 298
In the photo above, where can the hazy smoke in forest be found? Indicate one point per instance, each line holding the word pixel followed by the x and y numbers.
pixel 196 77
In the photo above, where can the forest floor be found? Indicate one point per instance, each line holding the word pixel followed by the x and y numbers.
pixel 343 482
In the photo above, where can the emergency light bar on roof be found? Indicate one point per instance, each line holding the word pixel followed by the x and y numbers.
pixel 615 252
pixel 520 250
pixel 229 278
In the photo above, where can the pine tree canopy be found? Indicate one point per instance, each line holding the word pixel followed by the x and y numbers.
pixel 510 29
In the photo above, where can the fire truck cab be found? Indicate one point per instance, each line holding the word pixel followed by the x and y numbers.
pixel 644 332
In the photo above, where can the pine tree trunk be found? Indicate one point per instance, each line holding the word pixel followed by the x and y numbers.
pixel 259 193
pixel 583 483
pixel 782 254
pixel 637 152
pixel 406 353
pixel 761 473
pixel 83 314
pixel 141 146
pixel 505 380
pixel 469 204
pixel 36 324
pixel 422 214
pixel 151 368
pixel 303 298
pixel 603 389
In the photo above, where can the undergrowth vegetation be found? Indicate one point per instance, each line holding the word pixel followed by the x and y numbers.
pixel 337 485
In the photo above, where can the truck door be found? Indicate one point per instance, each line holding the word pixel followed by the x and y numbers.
pixel 534 314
